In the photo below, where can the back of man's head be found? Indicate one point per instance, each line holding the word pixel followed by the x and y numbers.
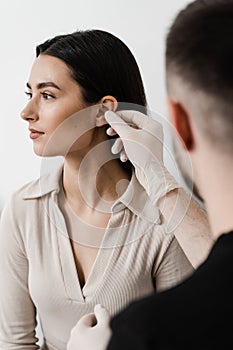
pixel 199 62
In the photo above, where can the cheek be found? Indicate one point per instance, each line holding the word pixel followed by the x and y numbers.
pixel 83 143
pixel 64 137
pixel 64 134
pixel 54 119
pixel 56 114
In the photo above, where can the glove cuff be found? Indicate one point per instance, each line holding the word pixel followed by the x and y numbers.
pixel 157 181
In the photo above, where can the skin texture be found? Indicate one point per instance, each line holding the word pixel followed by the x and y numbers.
pixel 49 106
pixel 213 169
pixel 71 129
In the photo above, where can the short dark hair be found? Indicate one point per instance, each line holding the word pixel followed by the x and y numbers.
pixel 199 50
pixel 100 63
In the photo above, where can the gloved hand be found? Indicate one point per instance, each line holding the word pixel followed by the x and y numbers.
pixel 142 139
pixel 92 332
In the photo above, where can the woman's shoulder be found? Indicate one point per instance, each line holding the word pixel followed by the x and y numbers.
pixel 30 193
pixel 29 190
pixel 39 187
pixel 16 201
pixel 26 189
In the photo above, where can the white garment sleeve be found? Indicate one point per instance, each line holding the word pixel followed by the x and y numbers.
pixel 173 267
pixel 17 311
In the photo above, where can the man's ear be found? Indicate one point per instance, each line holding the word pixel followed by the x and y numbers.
pixel 180 119
pixel 107 103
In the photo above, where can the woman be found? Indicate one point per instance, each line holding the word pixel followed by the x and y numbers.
pixel 85 233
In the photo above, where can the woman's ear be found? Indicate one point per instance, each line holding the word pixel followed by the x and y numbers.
pixel 107 103
pixel 180 119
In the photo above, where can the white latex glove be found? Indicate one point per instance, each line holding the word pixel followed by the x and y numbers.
pixel 141 141
pixel 92 332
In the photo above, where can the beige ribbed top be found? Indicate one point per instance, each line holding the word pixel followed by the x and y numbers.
pixel 38 272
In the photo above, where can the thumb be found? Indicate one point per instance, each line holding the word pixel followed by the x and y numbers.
pixel 102 315
pixel 117 123
pixel 87 321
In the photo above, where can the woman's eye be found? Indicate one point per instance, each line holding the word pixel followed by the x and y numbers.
pixel 28 94
pixel 47 96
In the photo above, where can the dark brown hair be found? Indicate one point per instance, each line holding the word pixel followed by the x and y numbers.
pixel 100 63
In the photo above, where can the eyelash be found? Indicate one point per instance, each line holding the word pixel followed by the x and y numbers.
pixel 28 94
pixel 45 95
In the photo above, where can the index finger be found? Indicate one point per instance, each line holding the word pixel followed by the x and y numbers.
pixel 142 121
pixel 134 117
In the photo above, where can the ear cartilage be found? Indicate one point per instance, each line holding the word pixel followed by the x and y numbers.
pixel 102 110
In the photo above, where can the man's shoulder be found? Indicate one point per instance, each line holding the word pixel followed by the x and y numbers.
pixel 198 301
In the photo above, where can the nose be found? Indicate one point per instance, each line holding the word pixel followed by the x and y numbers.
pixel 29 112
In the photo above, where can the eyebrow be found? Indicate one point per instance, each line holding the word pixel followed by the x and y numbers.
pixel 45 84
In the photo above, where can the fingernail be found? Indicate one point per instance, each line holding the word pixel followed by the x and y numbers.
pixel 114 149
pixel 123 158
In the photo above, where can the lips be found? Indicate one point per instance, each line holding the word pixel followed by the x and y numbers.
pixel 34 134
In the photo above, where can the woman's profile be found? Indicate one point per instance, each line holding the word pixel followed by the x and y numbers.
pixel 61 253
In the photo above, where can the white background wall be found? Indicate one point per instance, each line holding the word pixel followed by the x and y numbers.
pixel 142 25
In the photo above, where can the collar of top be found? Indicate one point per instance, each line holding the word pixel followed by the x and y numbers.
pixel 134 198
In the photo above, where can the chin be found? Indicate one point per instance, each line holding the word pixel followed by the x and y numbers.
pixel 38 151
pixel 45 152
pixel 51 147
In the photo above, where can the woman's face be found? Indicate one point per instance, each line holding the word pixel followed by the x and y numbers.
pixel 53 97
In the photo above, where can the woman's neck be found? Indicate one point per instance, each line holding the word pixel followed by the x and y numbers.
pixel 95 180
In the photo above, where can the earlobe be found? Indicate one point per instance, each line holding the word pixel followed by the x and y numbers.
pixel 107 103
pixel 181 121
